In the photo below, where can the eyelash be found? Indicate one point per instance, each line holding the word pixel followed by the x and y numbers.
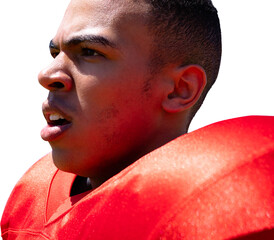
pixel 86 52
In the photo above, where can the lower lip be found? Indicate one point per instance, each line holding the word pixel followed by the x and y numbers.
pixel 51 133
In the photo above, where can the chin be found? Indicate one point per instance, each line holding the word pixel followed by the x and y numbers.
pixel 71 162
pixel 62 160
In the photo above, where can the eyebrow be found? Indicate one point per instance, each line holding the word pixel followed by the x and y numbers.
pixel 93 39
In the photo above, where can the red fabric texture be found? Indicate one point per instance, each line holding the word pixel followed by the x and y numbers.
pixel 213 183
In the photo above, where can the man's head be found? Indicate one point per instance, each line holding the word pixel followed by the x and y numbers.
pixel 118 89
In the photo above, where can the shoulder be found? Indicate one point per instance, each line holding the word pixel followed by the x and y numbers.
pixel 29 193
pixel 225 173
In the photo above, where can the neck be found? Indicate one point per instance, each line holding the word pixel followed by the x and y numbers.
pixel 173 128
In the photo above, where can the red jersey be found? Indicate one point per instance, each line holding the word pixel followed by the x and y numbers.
pixel 213 183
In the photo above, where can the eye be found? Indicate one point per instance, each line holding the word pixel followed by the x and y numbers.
pixel 87 52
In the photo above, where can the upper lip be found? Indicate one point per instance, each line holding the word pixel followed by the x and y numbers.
pixel 50 107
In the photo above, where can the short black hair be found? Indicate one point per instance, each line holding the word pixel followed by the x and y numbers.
pixel 186 32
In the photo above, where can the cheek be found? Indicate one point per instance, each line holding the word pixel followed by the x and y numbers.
pixel 113 101
pixel 108 98
pixel 107 114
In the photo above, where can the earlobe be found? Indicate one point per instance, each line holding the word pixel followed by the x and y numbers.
pixel 189 83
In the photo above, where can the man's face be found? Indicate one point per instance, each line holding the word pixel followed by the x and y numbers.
pixel 99 82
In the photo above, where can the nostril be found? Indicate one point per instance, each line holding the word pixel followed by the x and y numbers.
pixel 55 79
pixel 56 85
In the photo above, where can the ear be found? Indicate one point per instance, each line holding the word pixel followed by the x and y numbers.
pixel 189 83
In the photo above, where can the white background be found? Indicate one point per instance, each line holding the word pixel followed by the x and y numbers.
pixel 244 86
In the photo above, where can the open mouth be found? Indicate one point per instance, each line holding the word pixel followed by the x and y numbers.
pixel 57 123
pixel 56 119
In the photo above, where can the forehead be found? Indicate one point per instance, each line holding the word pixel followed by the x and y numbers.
pixel 109 9
pixel 119 20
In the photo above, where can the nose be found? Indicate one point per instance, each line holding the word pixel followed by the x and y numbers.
pixel 55 77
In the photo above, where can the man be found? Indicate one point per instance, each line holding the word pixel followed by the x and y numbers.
pixel 127 77
pixel 118 88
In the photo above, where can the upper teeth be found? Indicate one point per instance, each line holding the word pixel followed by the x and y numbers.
pixel 55 116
